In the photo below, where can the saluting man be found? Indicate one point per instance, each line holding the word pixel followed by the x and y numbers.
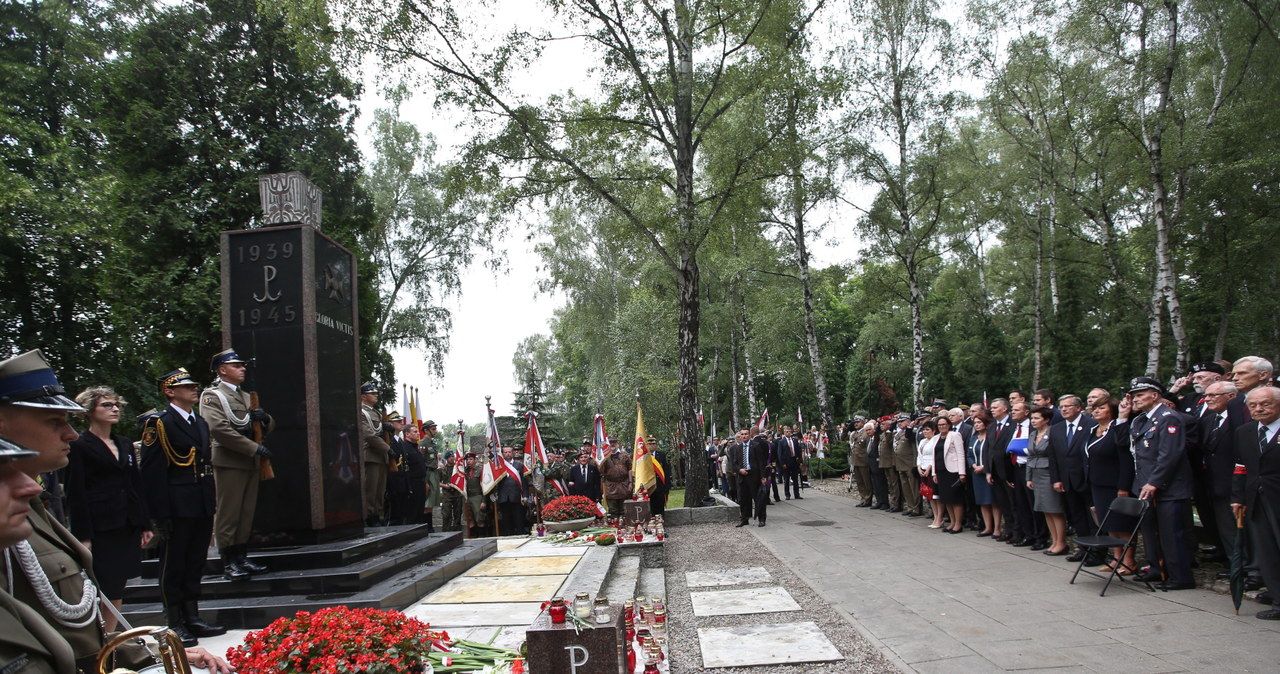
pixel 237 461
pixel 431 456
pixel 377 455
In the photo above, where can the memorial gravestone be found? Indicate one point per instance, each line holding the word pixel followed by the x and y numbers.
pixel 289 308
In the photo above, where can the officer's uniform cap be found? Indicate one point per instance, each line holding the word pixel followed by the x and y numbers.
pixel 175 378
pixel 224 357
pixel 368 387
pixel 1145 384
pixel 27 380
pixel 12 450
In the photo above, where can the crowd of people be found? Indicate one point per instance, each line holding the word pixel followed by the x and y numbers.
pixel 1032 471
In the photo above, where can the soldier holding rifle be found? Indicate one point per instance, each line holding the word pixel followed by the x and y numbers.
pixel 240 461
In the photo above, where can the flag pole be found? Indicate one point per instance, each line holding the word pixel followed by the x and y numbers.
pixel 497 528
pixel 466 504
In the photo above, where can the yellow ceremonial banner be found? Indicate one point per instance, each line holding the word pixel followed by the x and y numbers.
pixel 641 461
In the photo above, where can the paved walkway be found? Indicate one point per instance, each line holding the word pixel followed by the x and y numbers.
pixel 958 603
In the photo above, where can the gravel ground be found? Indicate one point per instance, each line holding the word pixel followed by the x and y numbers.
pixel 708 547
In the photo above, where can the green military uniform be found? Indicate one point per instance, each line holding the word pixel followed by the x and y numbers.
pixel 432 456
pixel 377 457
pixel 904 461
pixel 860 464
pixel 450 499
pixel 29 645
pixel 556 470
pixel 885 438
pixel 236 464
pixel 475 498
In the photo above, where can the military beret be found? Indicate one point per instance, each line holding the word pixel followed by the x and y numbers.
pixel 1207 367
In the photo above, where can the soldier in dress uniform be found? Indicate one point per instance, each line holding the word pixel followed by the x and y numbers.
pixel 376 452
pixel 893 486
pixel 475 497
pixel 904 463
pixel 451 500
pixel 398 488
pixel 1162 476
pixel 237 461
pixel 27 643
pixel 860 464
pixel 431 456
pixel 177 474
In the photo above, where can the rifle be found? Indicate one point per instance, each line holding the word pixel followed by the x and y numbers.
pixel 265 470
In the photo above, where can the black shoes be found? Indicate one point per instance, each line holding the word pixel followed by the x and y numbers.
pixel 1269 614
pixel 1059 553
pixel 863 505
pixel 1039 545
pixel 1022 543
pixel 231 569
pixel 761 523
pixel 247 565
pixel 1077 557
pixel 1170 585
pixel 196 625
pixel 913 513
pixel 742 523
pixel 178 623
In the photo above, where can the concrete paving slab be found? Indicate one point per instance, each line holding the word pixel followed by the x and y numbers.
pixel 510 543
pixel 741 602
pixel 743 576
pixel 927 644
pixel 507 636
pixel 969 664
pixel 1022 654
pixel 470 590
pixel 758 645
pixel 524 566
pixel 474 615
pixel 536 549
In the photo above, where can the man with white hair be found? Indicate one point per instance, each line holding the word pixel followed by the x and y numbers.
pixel 1255 487
pixel 1249 373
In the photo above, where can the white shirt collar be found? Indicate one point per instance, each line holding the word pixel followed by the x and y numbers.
pixel 1272 428
pixel 181 412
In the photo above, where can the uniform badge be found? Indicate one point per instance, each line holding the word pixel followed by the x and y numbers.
pixel 1171 430
pixel 149 436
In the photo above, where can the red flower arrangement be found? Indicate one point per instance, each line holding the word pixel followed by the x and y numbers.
pixel 338 639
pixel 568 508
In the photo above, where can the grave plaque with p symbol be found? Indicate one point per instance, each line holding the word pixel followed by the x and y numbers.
pixel 289 308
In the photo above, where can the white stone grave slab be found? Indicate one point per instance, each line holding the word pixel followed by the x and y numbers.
pixel 754 645
pixel 744 576
pixel 739 602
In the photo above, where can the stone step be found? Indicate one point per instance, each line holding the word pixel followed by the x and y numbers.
pixel 360 574
pixel 591 573
pixel 623 579
pixel 395 592
pixel 373 541
pixel 653 582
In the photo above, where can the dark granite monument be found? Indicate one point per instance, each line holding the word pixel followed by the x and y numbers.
pixel 560 649
pixel 289 308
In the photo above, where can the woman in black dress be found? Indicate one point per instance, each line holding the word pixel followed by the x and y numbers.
pixel 104 496
pixel 950 473
pixel 1110 471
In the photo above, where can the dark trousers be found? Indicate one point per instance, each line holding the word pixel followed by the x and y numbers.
pixel 711 474
pixel 762 499
pixel 1077 503
pixel 1023 517
pixel 879 486
pixel 397 501
pixel 1263 525
pixel 416 503
pixel 658 503
pixel 1164 536
pixel 182 560
pixel 747 489
pixel 791 481
pixel 1002 497
pixel 511 519
pixel 773 484
pixel 1204 506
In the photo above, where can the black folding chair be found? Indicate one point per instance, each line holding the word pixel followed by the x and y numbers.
pixel 1103 541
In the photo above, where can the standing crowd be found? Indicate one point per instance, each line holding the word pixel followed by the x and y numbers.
pixel 1032 472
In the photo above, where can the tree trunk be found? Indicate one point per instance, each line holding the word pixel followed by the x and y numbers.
pixel 749 375
pixel 1037 347
pixel 1166 276
pixel 806 284
pixel 1155 333
pixel 916 299
pixel 734 419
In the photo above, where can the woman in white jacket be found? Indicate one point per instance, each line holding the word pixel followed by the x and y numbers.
pixel 950 473
pixel 924 464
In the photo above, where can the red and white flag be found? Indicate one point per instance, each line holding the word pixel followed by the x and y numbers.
pixel 458 479
pixel 799 419
pixel 600 440
pixel 763 423
pixel 537 451
pixel 502 467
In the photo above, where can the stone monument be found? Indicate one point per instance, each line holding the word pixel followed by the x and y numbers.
pixel 289 308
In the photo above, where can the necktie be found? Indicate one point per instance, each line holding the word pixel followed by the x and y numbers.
pixel 1222 418
pixel 1262 438
pixel 1071 431
pixel 746 456
pixel 1017 433
pixel 191 419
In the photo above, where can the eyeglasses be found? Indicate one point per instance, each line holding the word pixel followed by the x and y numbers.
pixel 108 405
pixel 1217 395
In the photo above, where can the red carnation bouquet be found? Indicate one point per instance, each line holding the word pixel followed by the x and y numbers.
pixel 568 508
pixel 339 639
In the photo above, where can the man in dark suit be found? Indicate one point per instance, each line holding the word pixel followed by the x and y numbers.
pixel 1001 471
pixel 787 449
pixel 512 495
pixel 1067 442
pixel 177 472
pixel 739 467
pixel 1043 397
pixel 1217 441
pixel 1162 476
pixel 584 477
pixel 1255 487
pixel 759 471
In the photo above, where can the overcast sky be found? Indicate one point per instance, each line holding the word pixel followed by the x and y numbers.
pixel 479 361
